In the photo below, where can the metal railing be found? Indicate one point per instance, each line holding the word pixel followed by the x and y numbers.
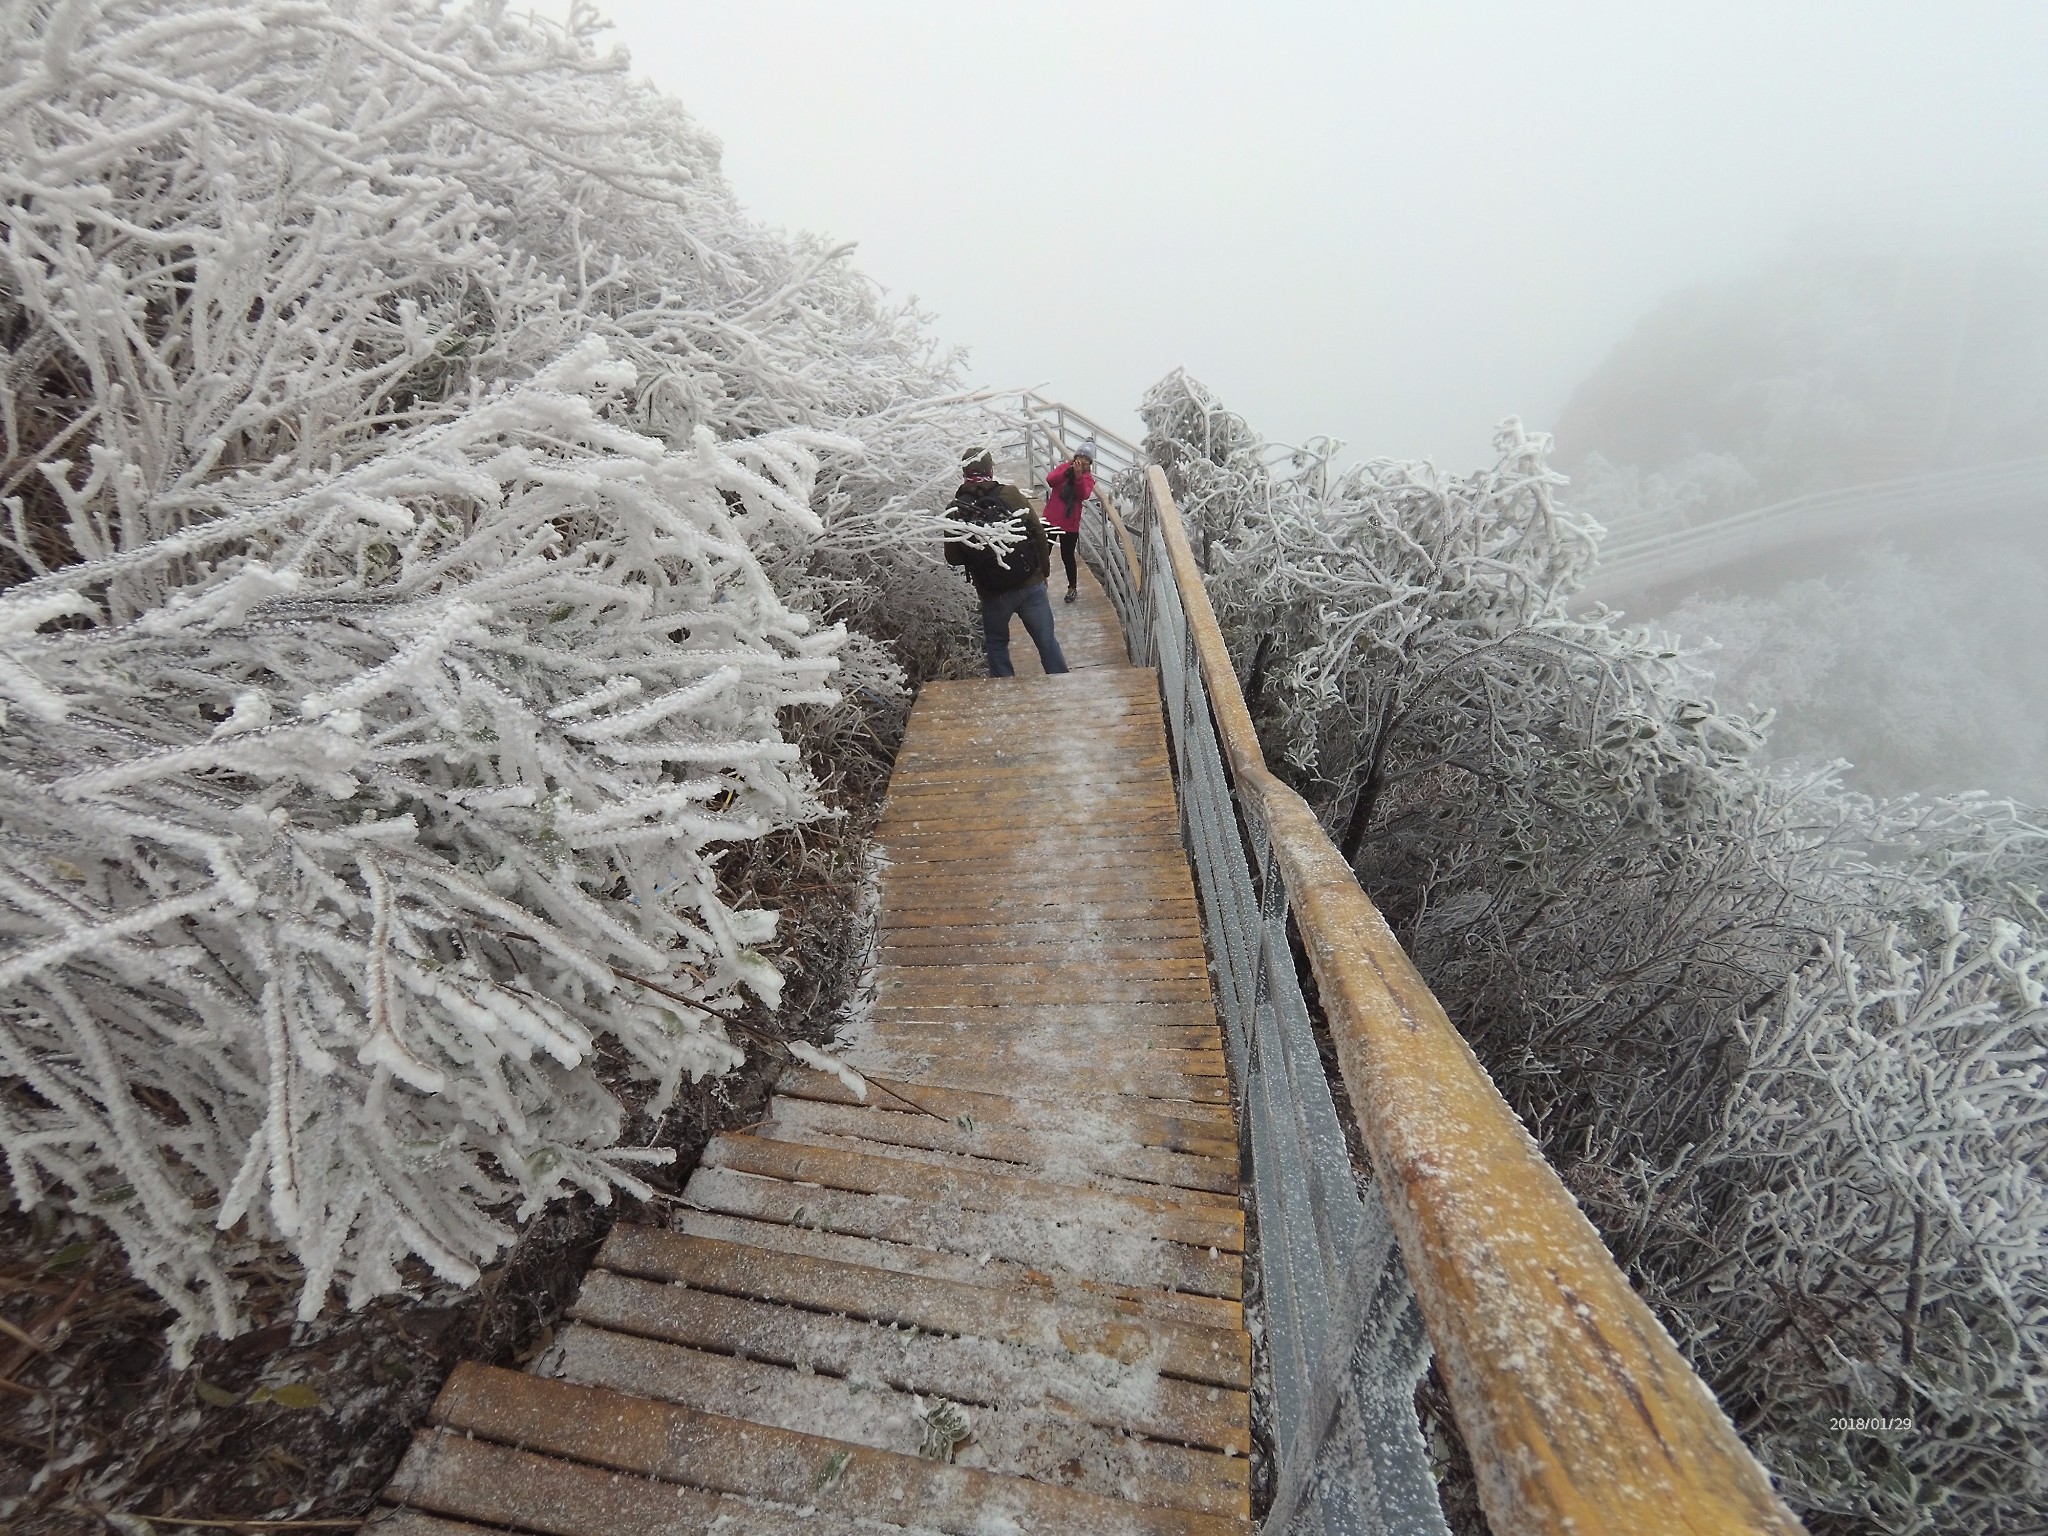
pixel 1048 432
pixel 1578 1411
pixel 1343 1340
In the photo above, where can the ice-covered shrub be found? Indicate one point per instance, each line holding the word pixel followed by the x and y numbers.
pixel 432 513
pixel 1786 1046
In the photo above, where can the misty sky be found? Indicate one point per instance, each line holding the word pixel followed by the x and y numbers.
pixel 1390 223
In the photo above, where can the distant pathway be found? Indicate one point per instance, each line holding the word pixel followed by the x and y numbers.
pixel 1034 1218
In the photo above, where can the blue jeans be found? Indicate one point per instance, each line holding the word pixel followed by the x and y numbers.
pixel 1032 606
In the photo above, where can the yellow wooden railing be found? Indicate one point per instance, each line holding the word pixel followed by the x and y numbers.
pixel 1580 1414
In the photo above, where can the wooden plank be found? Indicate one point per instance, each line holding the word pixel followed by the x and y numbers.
pixel 1066 851
pixel 1074 1068
pixel 1104 1002
pixel 974 834
pixel 1041 791
pixel 1129 689
pixel 1111 719
pixel 1032 1011
pixel 1012 1435
pixel 1097 847
pixel 1110 932
pixel 1140 880
pixel 1128 686
pixel 1111 696
pixel 1168 1067
pixel 1127 681
pixel 1162 1092
pixel 1078 1325
pixel 1203 1129
pixel 776 1128
pixel 1085 895
pixel 903 1027
pixel 987 1270
pixel 505 1486
pixel 1139 875
pixel 1032 906
pixel 1137 803
pixel 1122 679
pixel 1102 1015
pixel 1107 692
pixel 683 1445
pixel 905 949
pixel 972 1190
pixel 1055 1158
pixel 1025 761
pixel 1045 808
pixel 1006 742
pixel 1087 1252
pixel 968 1370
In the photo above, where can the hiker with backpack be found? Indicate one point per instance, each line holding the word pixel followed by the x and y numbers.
pixel 1009 581
pixel 1072 484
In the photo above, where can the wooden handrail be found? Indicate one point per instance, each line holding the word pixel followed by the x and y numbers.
pixel 1579 1411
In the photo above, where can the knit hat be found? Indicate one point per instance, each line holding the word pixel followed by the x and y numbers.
pixel 1087 450
pixel 979 462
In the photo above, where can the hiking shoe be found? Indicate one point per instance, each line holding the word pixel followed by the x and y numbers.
pixel 1070 594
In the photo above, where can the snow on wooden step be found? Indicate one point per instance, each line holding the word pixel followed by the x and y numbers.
pixel 984 1269
pixel 1119 1163
pixel 778 1127
pixel 1013 1193
pixel 940 1024
pixel 518 1489
pixel 1093 1325
pixel 1086 1252
pixel 708 1451
pixel 1035 1440
pixel 1199 1128
pixel 1157 1088
pixel 1052 939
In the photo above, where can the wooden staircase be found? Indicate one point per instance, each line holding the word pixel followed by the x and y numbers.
pixel 1032 1221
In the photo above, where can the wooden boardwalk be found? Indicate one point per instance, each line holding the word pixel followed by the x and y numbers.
pixel 1034 1218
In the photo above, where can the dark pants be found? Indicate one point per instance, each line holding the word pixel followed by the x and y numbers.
pixel 1031 605
pixel 1068 543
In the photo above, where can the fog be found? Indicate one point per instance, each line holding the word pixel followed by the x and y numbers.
pixel 1391 223
pixel 1723 252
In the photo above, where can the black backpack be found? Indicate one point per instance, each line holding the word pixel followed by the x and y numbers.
pixel 996 570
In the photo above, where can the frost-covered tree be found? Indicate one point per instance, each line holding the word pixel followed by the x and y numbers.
pixel 1785 1045
pixel 437 524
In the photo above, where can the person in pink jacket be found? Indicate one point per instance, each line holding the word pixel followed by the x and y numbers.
pixel 1072 484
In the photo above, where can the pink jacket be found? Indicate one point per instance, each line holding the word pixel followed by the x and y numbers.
pixel 1058 513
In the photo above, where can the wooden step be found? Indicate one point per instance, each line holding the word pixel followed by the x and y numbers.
pixel 668 1442
pixel 1220 1356
pixel 984 1269
pixel 1197 1128
pixel 1107 1152
pixel 1159 1216
pixel 1011 1435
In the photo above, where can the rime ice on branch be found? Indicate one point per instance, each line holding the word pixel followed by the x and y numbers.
pixel 432 517
pixel 1784 1045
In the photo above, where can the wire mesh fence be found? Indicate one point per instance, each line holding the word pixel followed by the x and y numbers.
pixel 1342 1338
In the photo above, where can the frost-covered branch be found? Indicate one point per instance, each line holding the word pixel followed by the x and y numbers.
pixel 438 524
